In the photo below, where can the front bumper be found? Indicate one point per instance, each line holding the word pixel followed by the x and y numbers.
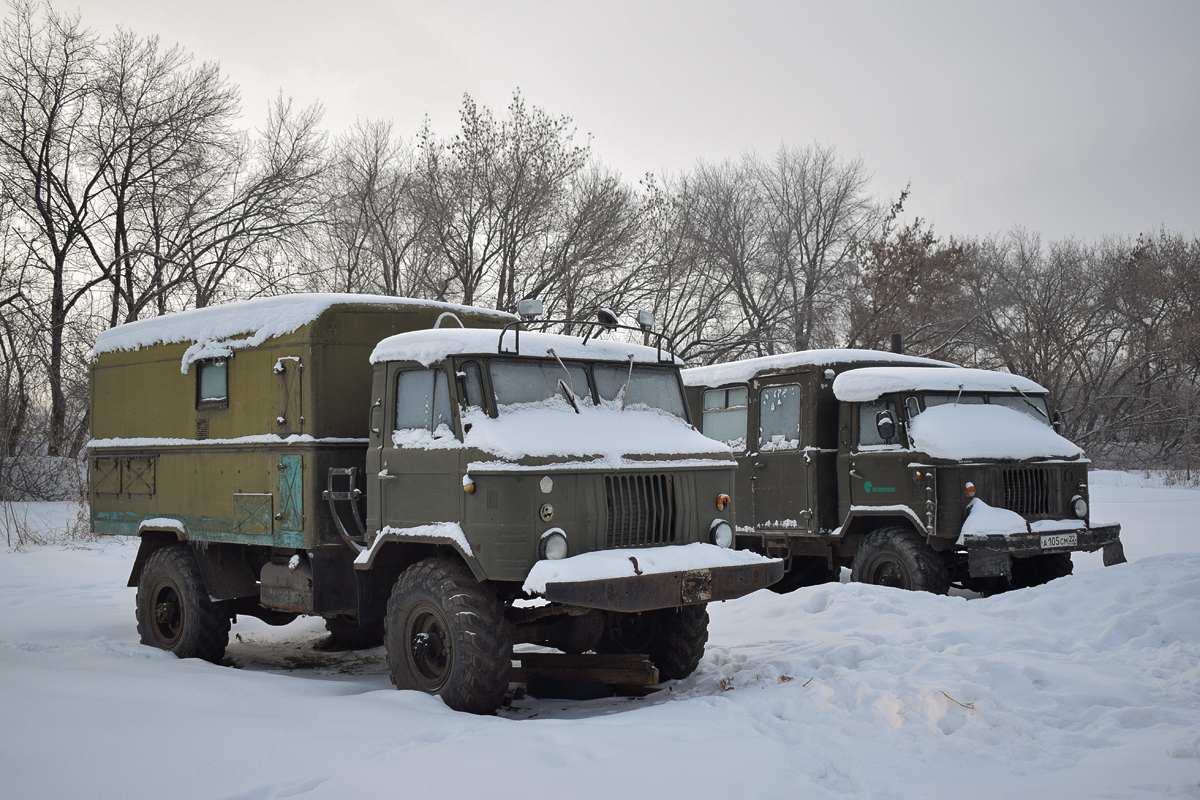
pixel 666 589
pixel 992 554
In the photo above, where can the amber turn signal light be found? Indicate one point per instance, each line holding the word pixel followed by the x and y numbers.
pixel 722 501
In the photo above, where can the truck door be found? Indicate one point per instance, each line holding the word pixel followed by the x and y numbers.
pixel 779 464
pixel 420 478
pixel 724 416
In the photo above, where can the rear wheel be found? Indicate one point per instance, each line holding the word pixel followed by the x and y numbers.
pixel 673 638
pixel 446 635
pixel 899 557
pixel 174 611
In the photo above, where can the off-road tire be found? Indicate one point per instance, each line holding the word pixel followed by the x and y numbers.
pixel 174 611
pixel 673 638
pixel 899 557
pixel 446 635
pixel 806 571
pixel 1036 570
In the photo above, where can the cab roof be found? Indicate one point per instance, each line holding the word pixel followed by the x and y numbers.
pixel 742 371
pixel 429 346
pixel 869 383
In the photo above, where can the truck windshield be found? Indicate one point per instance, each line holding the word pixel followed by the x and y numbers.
pixel 521 382
pixel 1033 405
pixel 964 398
pixel 645 386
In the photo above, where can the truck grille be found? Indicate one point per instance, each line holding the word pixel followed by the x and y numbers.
pixel 641 510
pixel 1028 491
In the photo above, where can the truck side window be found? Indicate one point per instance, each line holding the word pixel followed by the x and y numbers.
pixel 779 418
pixel 212 384
pixel 422 399
pixel 913 406
pixel 868 429
pixel 472 385
pixel 723 416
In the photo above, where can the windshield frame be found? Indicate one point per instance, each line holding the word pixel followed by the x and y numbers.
pixel 588 395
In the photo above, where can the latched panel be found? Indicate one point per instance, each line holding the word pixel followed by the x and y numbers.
pixel 138 478
pixel 106 475
pixel 252 514
pixel 291 492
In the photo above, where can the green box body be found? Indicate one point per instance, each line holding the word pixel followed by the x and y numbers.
pixel 251 472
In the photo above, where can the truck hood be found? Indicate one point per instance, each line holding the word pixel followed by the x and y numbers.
pixel 551 432
pixel 965 432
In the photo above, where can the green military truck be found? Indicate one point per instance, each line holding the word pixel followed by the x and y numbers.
pixel 419 474
pixel 912 472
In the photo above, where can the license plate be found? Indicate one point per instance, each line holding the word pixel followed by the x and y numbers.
pixel 1059 540
pixel 696 586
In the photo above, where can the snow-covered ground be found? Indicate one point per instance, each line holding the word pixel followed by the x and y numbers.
pixel 1087 687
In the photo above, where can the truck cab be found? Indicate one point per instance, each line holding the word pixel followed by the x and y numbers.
pixel 912 472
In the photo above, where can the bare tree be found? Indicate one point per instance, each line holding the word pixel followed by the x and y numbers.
pixel 822 214
pixel 492 193
pixel 48 90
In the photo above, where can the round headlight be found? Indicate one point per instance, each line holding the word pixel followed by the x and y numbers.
pixel 1079 506
pixel 554 545
pixel 722 534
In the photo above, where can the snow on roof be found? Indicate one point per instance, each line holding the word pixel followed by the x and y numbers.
pixel 965 432
pixel 257 320
pixel 742 371
pixel 869 383
pixel 426 347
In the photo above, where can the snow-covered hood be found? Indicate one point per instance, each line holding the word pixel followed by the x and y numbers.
pixel 865 384
pixel 965 432
pixel 595 437
pixel 429 346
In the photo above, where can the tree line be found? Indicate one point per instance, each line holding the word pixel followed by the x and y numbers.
pixel 129 189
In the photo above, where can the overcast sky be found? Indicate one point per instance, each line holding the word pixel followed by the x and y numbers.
pixel 1066 118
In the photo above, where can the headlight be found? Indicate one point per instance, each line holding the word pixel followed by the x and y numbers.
pixel 553 545
pixel 1079 506
pixel 722 533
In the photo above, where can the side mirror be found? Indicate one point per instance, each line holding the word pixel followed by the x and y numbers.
pixel 608 320
pixel 645 319
pixel 1056 421
pixel 529 309
pixel 885 423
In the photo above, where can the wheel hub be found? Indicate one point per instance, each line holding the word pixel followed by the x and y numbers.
pixel 429 647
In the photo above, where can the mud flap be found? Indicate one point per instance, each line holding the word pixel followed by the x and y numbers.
pixel 1114 553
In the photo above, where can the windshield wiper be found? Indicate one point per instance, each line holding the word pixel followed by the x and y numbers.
pixel 628 378
pixel 568 388
pixel 570 395
pixel 1030 403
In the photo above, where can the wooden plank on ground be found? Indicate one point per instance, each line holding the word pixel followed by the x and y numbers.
pixel 612 669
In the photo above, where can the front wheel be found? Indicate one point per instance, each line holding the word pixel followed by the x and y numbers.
pixel 446 635
pixel 899 557
pixel 673 638
pixel 174 611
